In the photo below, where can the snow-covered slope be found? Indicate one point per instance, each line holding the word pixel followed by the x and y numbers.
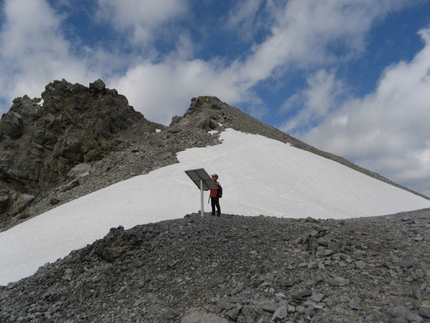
pixel 259 176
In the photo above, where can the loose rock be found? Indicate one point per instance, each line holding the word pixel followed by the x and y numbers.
pixel 186 271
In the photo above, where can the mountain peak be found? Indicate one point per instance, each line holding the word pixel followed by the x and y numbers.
pixel 43 139
pixel 75 140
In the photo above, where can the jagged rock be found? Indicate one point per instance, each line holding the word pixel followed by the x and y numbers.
pixel 22 201
pixel 201 316
pixel 80 170
pixel 41 140
pixel 280 314
pixel 355 303
pixel 398 311
pixel 11 125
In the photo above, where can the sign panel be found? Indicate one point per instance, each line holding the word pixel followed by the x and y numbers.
pixel 201 177
pixel 203 182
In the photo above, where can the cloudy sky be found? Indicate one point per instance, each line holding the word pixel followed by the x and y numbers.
pixel 348 76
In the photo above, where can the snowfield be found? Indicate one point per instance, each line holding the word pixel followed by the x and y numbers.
pixel 260 176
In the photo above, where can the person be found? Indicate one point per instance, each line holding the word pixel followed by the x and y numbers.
pixel 214 195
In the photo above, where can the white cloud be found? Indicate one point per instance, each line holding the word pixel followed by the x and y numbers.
pixel 310 34
pixel 140 17
pixel 301 33
pixel 163 90
pixel 316 101
pixel 388 130
pixel 33 51
pixel 244 18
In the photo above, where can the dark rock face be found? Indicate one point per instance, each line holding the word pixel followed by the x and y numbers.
pixel 41 140
pixel 237 269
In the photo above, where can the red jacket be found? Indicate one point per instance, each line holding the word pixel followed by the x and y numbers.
pixel 213 193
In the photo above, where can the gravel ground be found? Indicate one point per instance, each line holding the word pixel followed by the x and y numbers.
pixel 237 269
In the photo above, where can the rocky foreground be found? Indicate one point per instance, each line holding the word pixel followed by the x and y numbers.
pixel 237 269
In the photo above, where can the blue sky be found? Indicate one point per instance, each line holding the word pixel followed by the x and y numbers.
pixel 348 76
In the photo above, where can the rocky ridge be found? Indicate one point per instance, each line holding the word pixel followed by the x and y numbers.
pixel 237 269
pixel 75 140
pixel 43 139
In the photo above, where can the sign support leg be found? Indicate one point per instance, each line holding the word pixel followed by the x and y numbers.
pixel 203 182
pixel 201 196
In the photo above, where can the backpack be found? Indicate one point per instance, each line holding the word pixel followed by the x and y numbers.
pixel 219 192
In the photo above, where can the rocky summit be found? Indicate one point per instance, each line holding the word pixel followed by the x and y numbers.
pixel 237 269
pixel 42 140
pixel 77 139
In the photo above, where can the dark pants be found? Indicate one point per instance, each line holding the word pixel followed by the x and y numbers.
pixel 215 203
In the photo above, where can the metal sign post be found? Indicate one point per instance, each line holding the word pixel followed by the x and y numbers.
pixel 202 207
pixel 203 181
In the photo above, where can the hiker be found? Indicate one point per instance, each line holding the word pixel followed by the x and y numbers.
pixel 215 195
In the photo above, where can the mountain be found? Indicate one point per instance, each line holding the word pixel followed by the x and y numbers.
pixel 43 139
pixel 131 173
pixel 75 140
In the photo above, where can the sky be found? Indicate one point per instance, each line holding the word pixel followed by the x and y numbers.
pixel 304 185
pixel 351 77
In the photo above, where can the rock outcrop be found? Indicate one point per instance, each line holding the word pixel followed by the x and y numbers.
pixel 42 140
